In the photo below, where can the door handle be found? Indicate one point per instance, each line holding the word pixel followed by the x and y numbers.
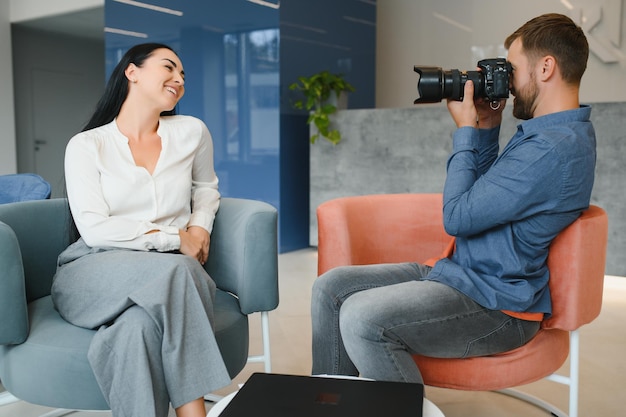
pixel 39 142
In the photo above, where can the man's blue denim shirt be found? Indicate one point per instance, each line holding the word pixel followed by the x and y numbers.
pixel 505 210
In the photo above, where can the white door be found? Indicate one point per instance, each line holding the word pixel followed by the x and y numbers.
pixel 62 105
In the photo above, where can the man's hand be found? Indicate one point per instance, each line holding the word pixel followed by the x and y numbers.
pixel 475 113
pixel 464 113
pixel 195 242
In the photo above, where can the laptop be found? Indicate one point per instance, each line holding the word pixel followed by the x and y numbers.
pixel 279 395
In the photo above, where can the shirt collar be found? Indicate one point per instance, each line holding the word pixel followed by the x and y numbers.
pixel 580 114
pixel 114 129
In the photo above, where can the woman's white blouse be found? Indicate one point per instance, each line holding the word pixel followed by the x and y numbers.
pixel 115 202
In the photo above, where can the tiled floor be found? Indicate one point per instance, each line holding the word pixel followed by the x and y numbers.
pixel 602 364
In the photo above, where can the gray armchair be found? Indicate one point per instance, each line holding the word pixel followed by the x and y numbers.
pixel 43 359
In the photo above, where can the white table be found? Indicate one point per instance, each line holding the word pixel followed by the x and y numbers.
pixel 430 409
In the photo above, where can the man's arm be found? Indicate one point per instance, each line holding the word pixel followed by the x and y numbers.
pixel 477 197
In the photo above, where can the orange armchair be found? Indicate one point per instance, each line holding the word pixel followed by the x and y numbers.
pixel 388 228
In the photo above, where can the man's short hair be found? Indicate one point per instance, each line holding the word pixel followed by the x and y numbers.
pixel 556 35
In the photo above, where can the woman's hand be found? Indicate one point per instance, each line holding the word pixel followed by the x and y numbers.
pixel 195 242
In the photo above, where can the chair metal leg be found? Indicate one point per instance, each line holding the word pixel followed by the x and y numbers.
pixel 533 400
pixel 265 358
pixel 58 412
pixel 574 372
pixel 571 381
pixel 7 398
pixel 213 398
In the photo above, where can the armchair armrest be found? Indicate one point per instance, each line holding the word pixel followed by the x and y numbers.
pixel 380 228
pixel 13 308
pixel 243 257
pixel 32 234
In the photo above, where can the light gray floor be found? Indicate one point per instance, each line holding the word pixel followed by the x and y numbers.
pixel 603 367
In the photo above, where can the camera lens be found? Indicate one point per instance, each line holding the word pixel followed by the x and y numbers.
pixel 490 82
pixel 435 84
pixel 430 84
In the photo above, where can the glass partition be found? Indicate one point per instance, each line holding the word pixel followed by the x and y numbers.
pixel 239 58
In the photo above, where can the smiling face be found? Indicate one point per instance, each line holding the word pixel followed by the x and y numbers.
pixel 523 82
pixel 160 79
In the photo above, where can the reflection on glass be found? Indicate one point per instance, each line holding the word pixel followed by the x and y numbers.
pixel 252 93
pixel 230 50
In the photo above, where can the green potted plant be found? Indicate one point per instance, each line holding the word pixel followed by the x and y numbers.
pixel 317 90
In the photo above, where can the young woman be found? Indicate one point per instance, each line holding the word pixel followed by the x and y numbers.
pixel 143 195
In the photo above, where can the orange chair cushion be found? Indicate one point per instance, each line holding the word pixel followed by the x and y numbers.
pixel 540 357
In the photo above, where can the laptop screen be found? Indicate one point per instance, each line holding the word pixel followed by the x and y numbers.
pixel 279 395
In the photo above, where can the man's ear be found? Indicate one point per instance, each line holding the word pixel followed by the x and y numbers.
pixel 546 68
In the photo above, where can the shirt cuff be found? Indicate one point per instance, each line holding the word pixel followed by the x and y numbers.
pixel 202 219
pixel 465 139
pixel 487 137
pixel 168 239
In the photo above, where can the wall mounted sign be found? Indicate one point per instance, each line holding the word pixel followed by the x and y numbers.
pixel 602 24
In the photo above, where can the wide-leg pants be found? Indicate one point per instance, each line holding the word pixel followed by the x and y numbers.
pixel 153 313
pixel 370 319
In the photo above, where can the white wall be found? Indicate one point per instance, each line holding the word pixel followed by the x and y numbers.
pixel 444 32
pixel 16 11
pixel 8 160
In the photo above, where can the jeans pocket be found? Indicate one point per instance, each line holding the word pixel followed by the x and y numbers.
pixel 510 334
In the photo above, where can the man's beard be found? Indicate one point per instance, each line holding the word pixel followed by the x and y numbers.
pixel 524 103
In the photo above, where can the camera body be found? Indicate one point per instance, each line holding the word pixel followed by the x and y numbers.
pixel 491 81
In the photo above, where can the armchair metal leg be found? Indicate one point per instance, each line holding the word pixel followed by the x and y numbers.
pixel 265 358
pixel 571 381
pixel 7 398
pixel 533 400
pixel 213 398
pixel 58 413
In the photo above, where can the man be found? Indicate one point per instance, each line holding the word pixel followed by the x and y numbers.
pixel 491 293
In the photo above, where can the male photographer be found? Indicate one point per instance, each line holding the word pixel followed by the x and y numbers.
pixel 491 293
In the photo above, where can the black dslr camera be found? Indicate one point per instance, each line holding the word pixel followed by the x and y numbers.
pixel 490 82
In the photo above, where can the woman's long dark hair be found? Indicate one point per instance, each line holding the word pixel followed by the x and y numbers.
pixel 114 96
pixel 116 89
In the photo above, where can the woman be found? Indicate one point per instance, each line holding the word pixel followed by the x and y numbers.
pixel 143 195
